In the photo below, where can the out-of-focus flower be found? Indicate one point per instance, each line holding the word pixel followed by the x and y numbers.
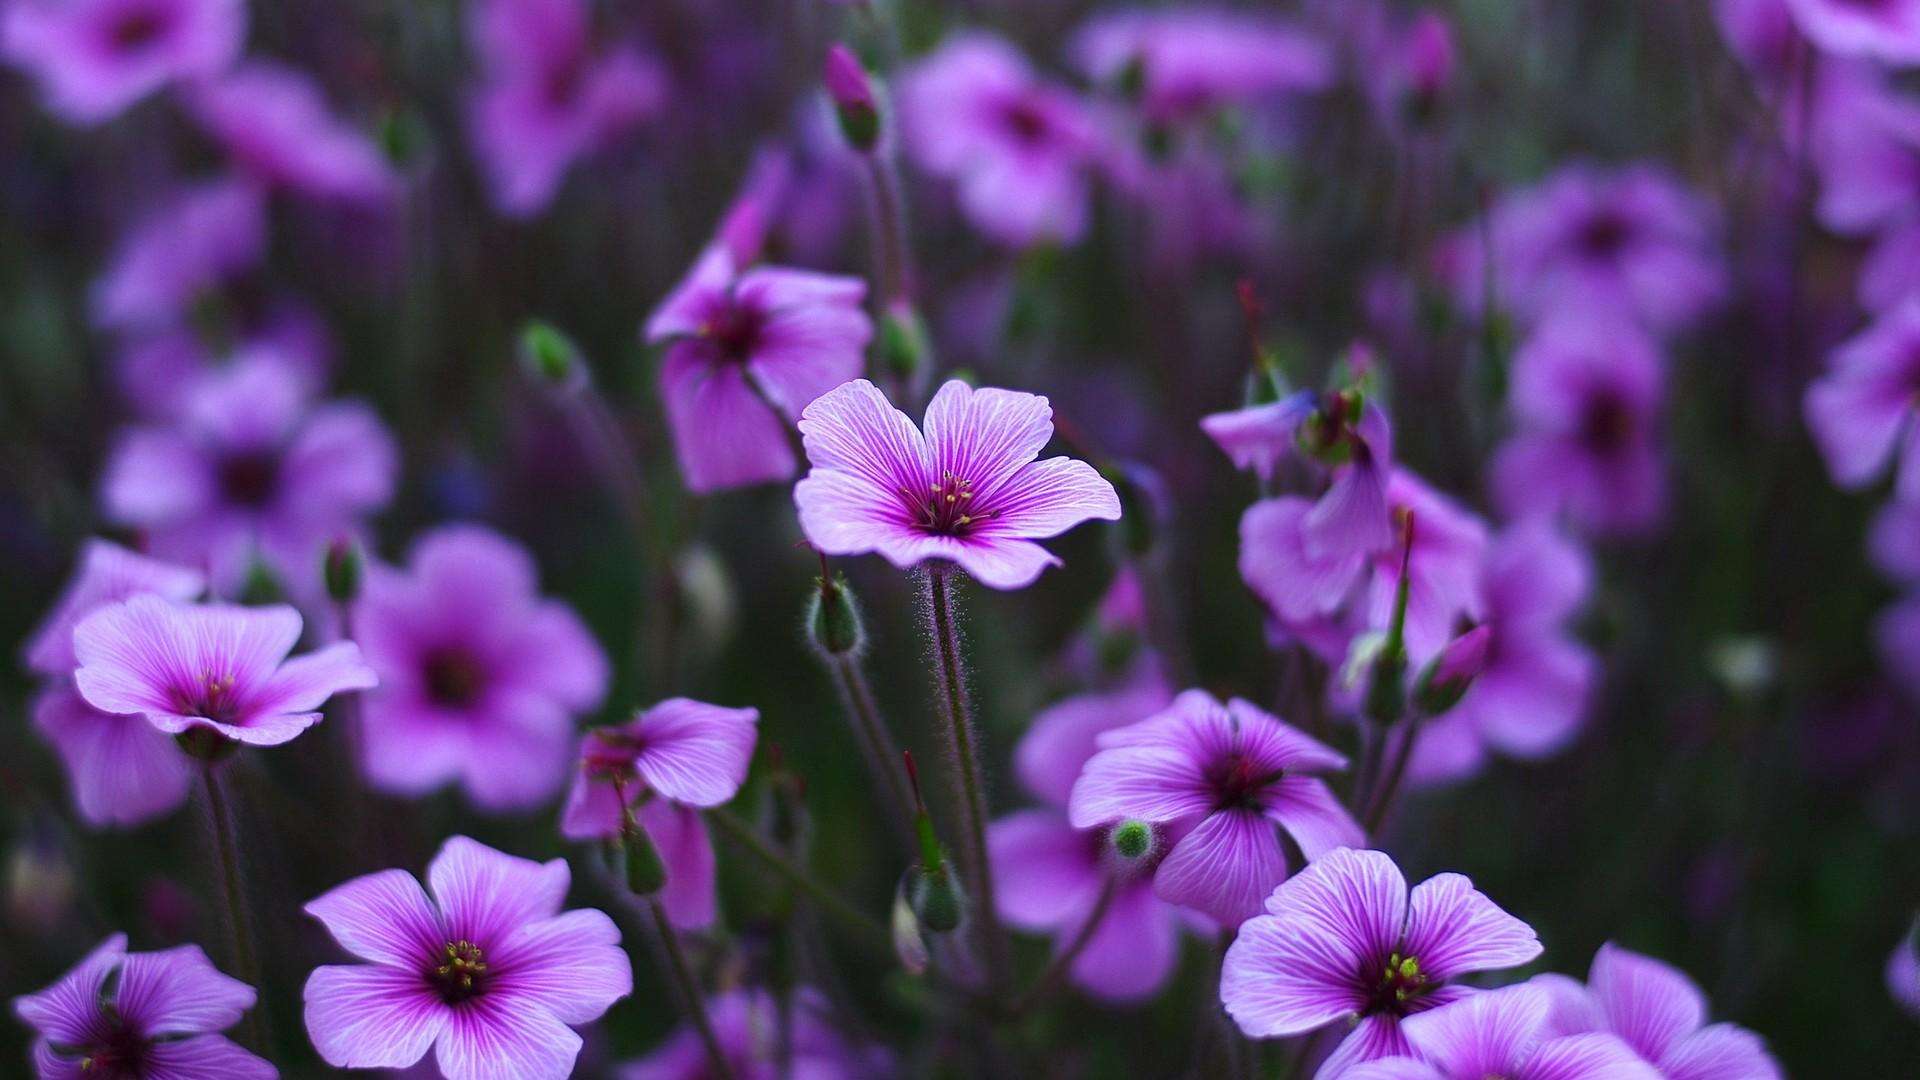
pixel 850 89
pixel 1883 30
pixel 194 242
pixel 147 1015
pixel 1221 781
pixel 93 58
pixel 214 666
pixel 969 490
pixel 275 123
pixel 108 573
pixel 748 351
pixel 1585 400
pixel 490 974
pixel 1632 241
pixel 669 761
pixel 1409 73
pixel 480 678
pixel 159 372
pixel 1657 1011
pixel 1865 142
pixel 1051 874
pixel 1861 411
pixel 1503 1033
pixel 1763 35
pixel 1345 941
pixel 1336 427
pixel 251 472
pixel 546 100
pixel 1903 971
pixel 747 1024
pixel 1182 63
pixel 1020 149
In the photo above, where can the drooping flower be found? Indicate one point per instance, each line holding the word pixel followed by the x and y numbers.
pixel 274 122
pixel 1222 781
pixel 1190 61
pixel 141 1016
pixel 1883 30
pixel 1657 1011
pixel 1337 427
pixel 1903 971
pixel 748 351
pixel 1585 401
pixel 1861 411
pixel 213 666
pixel 747 1025
pixel 1021 150
pixel 1345 941
pixel 191 244
pixel 252 471
pixel 480 678
pixel 546 100
pixel 1502 1033
pixel 489 973
pixel 93 58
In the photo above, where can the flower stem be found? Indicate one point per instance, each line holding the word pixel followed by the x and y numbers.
pixel 876 742
pixel 889 229
pixel 226 853
pixel 1063 961
pixel 690 993
pixel 1390 786
pixel 969 790
pixel 747 837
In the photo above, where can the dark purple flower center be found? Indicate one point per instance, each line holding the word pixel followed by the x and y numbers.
pixel 1605 235
pixel 734 330
pixel 948 507
pixel 119 1053
pixel 1237 782
pixel 248 478
pixel 461 973
pixel 562 84
pixel 1607 424
pixel 139 28
pixel 454 678
pixel 1394 986
pixel 214 698
pixel 1026 121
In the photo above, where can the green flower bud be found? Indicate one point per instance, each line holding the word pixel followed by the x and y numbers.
pixel 646 874
pixel 834 625
pixel 1131 840
pixel 904 350
pixel 551 356
pixel 937 900
pixel 342 570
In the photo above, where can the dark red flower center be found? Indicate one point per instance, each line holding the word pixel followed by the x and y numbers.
pixel 250 477
pixel 1026 121
pixel 562 84
pixel 461 973
pixel 1395 985
pixel 734 329
pixel 948 507
pixel 137 29
pixel 454 678
pixel 1607 424
pixel 120 1054
pixel 1238 781
pixel 1605 235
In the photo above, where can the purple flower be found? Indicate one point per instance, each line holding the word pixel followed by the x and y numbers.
pixel 546 100
pixel 193 243
pixel 1585 401
pixel 668 762
pixel 480 678
pixel 1861 411
pixel 748 352
pixel 1192 61
pixel 1221 781
pixel 211 666
pixel 1344 940
pixel 1658 1012
pixel 94 58
pixel 969 490
pixel 251 471
pixel 1051 874
pixel 108 573
pixel 1020 149
pixel 747 1026
pixel 1865 140
pixel 143 1016
pixel 1352 515
pixel 275 123
pixel 159 373
pixel 1903 971
pixel 1502 1033
pixel 489 973
pixel 1884 30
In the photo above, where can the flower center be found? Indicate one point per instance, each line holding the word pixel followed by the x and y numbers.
pixel 1606 425
pixel 1026 122
pixel 1604 235
pixel 138 29
pixel 214 699
pixel 454 678
pixel 462 972
pixel 948 507
pixel 734 330
pixel 249 478
pixel 1400 982
pixel 1238 781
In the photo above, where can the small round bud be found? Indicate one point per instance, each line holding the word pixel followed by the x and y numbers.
pixel 1386 685
pixel 341 569
pixel 853 102
pixel 937 900
pixel 833 618
pixel 551 356
pixel 646 874
pixel 1132 840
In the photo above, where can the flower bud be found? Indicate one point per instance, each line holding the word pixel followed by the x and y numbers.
pixel 936 897
pixel 341 569
pixel 908 944
pixel 551 357
pixel 646 874
pixel 903 342
pixel 1131 840
pixel 833 618
pixel 853 101
pixel 1446 678
pixel 1386 686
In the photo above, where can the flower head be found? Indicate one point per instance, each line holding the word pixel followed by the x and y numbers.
pixel 1192 61
pixel 1861 412
pixel 1222 780
pixel 1883 30
pixel 1345 940
pixel 480 677
pixel 748 351
pixel 489 973
pixel 747 1024
pixel 968 490
pixel 1503 1033
pixel 93 58
pixel 275 123
pixel 141 1016
pixel 108 573
pixel 192 243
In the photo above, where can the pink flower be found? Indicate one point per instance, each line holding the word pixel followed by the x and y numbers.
pixel 212 666
pixel 191 244
pixel 148 1016
pixel 1903 971
pixel 108 573
pixel 1503 1033
pixel 1861 412
pixel 1352 514
pixel 94 58
pixel 969 490
pixel 747 1024
pixel 1222 780
pixel 1657 1011
pixel 490 974
pixel 480 678
pixel 1884 30
pixel 1191 61
pixel 750 350
pixel 275 123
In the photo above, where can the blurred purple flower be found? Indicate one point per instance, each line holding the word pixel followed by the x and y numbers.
pixel 216 666
pixel 1502 1033
pixel 1022 150
pixel 1657 1011
pixel 490 974
pixel 1409 67
pixel 1192 60
pixel 160 373
pixel 1221 781
pixel 747 1024
pixel 1352 515
pixel 1763 35
pixel 1585 398
pixel 190 245
pixel 1344 941
pixel 545 100
pixel 969 490
pixel 1865 142
pixel 747 352
pixel 93 58
pixel 275 123
pixel 251 471
pixel 1883 30
pixel 480 678
pixel 149 1016
pixel 1903 971
pixel 107 574
pixel 1861 411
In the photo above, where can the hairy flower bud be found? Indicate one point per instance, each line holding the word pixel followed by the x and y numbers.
pixel 833 617
pixel 551 356
pixel 1447 677
pixel 936 897
pixel 646 874
pixel 903 342
pixel 851 90
pixel 1131 840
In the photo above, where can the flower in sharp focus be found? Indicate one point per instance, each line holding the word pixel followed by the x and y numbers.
pixel 746 1023
pixel 489 973
pixel 968 490
pixel 747 352
pixel 141 1016
pixel 1657 1011
pixel 480 677
pixel 94 58
pixel 1861 412
pixel 1222 780
pixel 275 123
pixel 1882 30
pixel 192 243
pixel 1345 941
pixel 1503 1033
pixel 217 666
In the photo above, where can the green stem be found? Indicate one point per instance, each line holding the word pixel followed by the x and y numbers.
pixel 1383 800
pixel 876 742
pixel 696 1002
pixel 226 852
pixel 747 837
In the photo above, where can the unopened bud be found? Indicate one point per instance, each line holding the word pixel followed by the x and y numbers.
pixel 262 586
pixel 903 342
pixel 937 900
pixel 1446 678
pixel 551 356
pixel 341 569
pixel 646 874
pixel 833 617
pixel 1132 840
pixel 1386 686
pixel 908 944
pixel 851 90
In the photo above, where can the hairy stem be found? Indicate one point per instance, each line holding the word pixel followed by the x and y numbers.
pixel 226 854
pixel 690 993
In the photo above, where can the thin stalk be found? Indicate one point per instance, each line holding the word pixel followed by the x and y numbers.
pixel 797 876
pixel 1062 962
pixel 1389 787
pixel 889 228
pixel 969 789
pixel 696 1002
pixel 226 852
pixel 876 742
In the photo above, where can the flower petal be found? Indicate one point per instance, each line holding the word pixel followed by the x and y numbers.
pixel 179 992
pixel 983 436
pixel 69 1009
pixel 686 850
pixel 1454 929
pixel 1046 498
pixel 571 966
pixel 494 1038
pixel 1374 1038
pixel 204 1057
pixel 1650 1004
pixel 1484 1034
pixel 383 917
pixel 1720 1052
pixel 369 1016
pixel 724 435
pixel 1225 867
pixel 122 770
pixel 1598 1056
pixel 304 683
pixel 1001 563
pixel 693 752
pixel 1313 816
pixel 1044 870
pixel 1134 950
pixel 855 429
pixel 485 894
